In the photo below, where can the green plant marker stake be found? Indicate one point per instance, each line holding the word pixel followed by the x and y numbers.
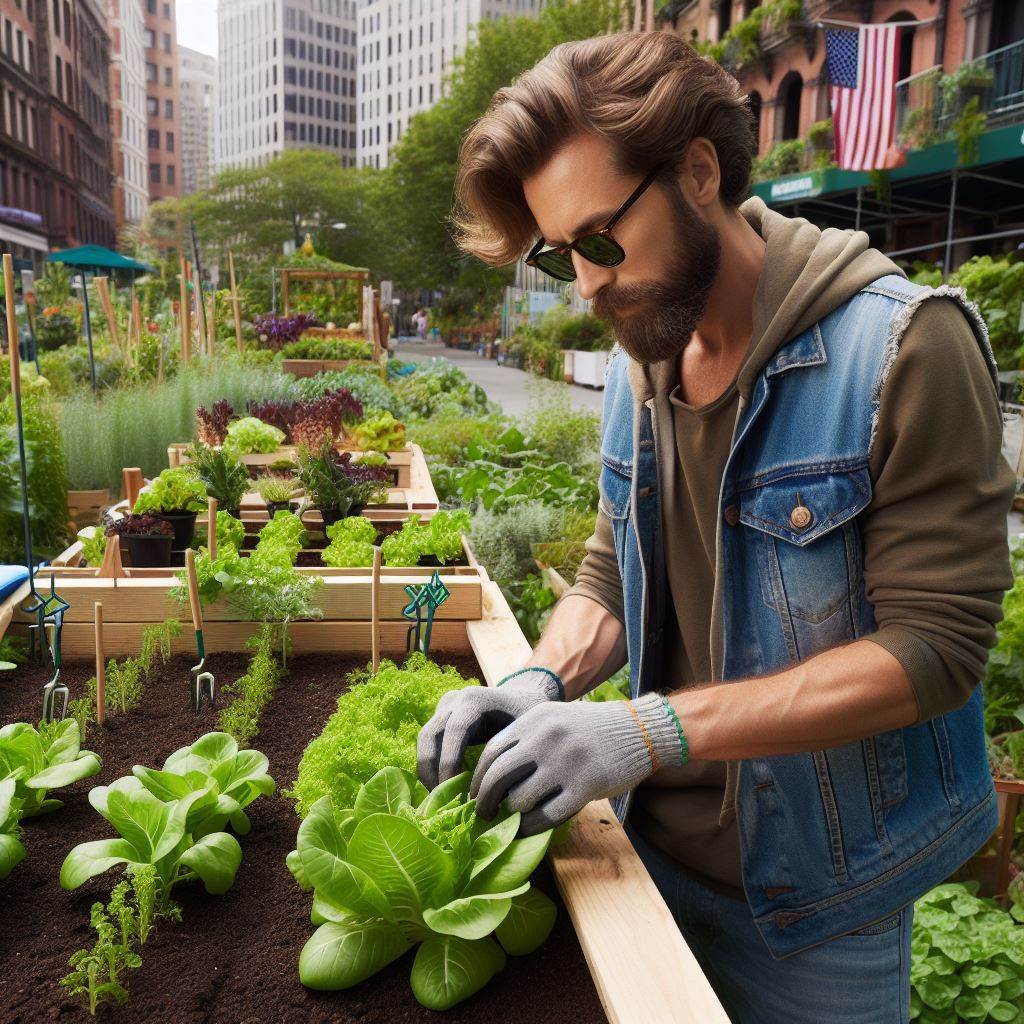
pixel 429 596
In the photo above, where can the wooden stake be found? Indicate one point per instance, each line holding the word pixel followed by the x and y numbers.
pixel 211 527
pixel 375 609
pixel 211 325
pixel 234 302
pixel 183 318
pixel 137 314
pixel 12 329
pixel 101 664
pixel 103 290
pixel 111 568
pixel 131 484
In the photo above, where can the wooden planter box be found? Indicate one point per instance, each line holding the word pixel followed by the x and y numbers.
pixel 641 966
pixel 311 367
pixel 401 461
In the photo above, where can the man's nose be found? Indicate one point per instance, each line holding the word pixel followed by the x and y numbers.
pixel 590 278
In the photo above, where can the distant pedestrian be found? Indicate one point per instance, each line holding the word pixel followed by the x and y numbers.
pixel 422 319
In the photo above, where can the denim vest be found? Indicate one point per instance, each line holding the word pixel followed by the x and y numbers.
pixel 836 839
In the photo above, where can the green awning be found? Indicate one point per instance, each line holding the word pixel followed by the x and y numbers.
pixel 97 257
pixel 995 145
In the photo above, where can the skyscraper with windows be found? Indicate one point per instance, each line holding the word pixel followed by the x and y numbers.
pixel 286 79
pixel 197 87
pixel 128 110
pixel 405 49
pixel 163 117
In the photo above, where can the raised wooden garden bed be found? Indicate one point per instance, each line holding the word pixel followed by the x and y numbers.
pixel 401 461
pixel 234 957
pixel 141 597
pixel 311 367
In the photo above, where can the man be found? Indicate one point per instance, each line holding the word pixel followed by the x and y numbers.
pixel 800 549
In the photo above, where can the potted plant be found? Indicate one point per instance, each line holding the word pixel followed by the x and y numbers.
pixel 337 486
pixel 224 475
pixel 276 491
pixel 175 495
pixel 149 539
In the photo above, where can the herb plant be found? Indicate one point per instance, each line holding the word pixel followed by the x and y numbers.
pixel 375 725
pixel 214 766
pixel 96 974
pixel 223 475
pixel 403 868
pixel 145 525
pixel 174 490
pixel 250 436
pixel 380 433
pixel 281 540
pixel 968 959
pixel 212 423
pixel 327 348
pixel 12 852
pixel 441 538
pixel 274 490
pixel 253 691
pixel 38 760
pixel 351 543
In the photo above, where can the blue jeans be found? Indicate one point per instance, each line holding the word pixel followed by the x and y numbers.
pixel 859 978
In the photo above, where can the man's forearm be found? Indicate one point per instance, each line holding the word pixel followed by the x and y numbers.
pixel 836 697
pixel 583 643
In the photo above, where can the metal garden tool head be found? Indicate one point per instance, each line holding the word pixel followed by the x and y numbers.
pixel 55 693
pixel 203 685
pixel 426 598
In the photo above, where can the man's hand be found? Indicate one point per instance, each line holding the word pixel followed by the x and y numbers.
pixel 474 715
pixel 552 761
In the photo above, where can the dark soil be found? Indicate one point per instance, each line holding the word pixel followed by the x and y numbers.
pixel 233 959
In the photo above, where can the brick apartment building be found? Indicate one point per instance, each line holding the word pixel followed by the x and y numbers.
pixel 163 107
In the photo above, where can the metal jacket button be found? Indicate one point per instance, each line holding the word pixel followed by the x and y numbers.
pixel 732 515
pixel 800 517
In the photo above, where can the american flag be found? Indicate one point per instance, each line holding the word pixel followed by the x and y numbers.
pixel 862 69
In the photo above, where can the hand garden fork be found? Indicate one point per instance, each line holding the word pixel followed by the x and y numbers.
pixel 204 686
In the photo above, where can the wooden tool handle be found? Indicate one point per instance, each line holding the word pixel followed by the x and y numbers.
pixel 193 589
pixel 211 527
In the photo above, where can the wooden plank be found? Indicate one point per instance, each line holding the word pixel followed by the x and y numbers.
pixel 78 639
pixel 147 599
pixel 10 604
pixel 642 968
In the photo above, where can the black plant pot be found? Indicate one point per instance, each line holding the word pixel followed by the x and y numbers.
pixel 149 552
pixel 331 515
pixel 184 524
pixel 274 507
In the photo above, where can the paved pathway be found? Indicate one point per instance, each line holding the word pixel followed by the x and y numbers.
pixel 511 388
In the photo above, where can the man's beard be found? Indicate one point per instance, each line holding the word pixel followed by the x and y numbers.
pixel 668 311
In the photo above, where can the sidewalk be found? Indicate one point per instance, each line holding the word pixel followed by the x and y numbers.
pixel 504 385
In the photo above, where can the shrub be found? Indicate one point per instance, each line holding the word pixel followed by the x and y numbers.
pixel 327 348
pixel 504 542
pixel 364 384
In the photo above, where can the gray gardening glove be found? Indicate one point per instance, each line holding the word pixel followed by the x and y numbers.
pixel 555 759
pixel 474 715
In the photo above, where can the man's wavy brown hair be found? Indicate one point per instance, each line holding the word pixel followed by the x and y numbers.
pixel 650 93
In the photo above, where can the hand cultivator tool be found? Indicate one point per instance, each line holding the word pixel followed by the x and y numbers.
pixel 429 596
pixel 49 610
pixel 203 683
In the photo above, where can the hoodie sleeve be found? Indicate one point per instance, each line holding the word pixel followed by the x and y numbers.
pixel 598 575
pixel 936 559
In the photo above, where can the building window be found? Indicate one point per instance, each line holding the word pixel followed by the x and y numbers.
pixel 165 41
pixel 170 174
pixel 168 76
pixel 154 174
pixel 152 106
pixel 148 38
pixel 59 77
pixel 169 142
pixel 150 72
pixel 154 138
pixel 169 108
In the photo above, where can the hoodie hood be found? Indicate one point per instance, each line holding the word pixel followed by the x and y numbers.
pixel 807 273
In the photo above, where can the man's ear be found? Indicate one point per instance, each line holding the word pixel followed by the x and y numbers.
pixel 700 176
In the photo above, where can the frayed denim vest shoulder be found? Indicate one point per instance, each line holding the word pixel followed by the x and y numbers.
pixel 835 839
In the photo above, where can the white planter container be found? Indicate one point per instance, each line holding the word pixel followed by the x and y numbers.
pixel 588 368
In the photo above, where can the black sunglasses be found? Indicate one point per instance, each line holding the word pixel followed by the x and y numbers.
pixel 598 247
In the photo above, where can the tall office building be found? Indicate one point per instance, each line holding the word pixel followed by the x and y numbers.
pixel 286 79
pixel 405 47
pixel 128 110
pixel 197 87
pixel 163 113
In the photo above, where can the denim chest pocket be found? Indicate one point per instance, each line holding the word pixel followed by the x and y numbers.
pixel 616 485
pixel 808 543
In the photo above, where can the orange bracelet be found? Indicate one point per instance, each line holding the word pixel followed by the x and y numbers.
pixel 643 732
